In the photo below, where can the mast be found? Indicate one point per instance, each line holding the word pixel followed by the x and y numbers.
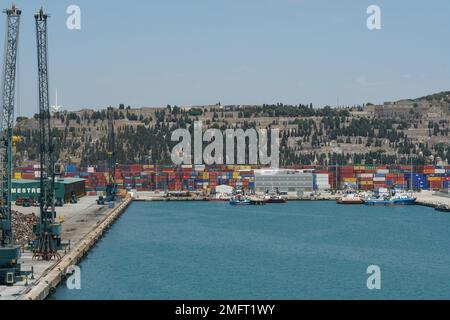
pixel 47 231
pixel 7 123
pixel 10 270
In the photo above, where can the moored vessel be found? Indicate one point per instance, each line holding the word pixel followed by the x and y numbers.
pixel 240 201
pixel 275 199
pixel 350 198
pixel 393 199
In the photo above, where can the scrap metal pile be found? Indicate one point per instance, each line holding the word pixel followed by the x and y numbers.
pixel 22 226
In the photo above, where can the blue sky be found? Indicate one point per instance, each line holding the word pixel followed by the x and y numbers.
pixel 184 52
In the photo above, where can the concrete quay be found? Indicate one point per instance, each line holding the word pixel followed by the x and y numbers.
pixel 84 223
pixel 432 199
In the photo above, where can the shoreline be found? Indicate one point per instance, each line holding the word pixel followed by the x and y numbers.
pixel 425 199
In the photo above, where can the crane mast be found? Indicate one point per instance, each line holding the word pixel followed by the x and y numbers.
pixel 47 230
pixel 9 253
pixel 111 188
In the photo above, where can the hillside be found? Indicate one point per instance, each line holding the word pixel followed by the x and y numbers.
pixel 390 133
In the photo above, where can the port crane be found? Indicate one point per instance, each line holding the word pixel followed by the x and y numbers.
pixel 47 230
pixel 111 187
pixel 9 252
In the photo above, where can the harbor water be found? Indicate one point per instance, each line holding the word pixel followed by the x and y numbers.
pixel 298 250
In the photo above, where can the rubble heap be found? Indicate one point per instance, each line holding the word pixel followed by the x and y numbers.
pixel 22 226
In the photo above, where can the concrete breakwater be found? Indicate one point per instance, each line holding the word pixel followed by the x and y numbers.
pixel 47 283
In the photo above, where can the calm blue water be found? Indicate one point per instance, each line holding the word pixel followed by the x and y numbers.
pixel 300 250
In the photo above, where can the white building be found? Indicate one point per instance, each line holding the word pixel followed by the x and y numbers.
pixel 224 189
pixel 283 180
pixel 322 181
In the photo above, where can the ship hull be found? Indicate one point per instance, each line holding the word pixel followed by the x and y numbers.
pixel 349 201
pixel 399 202
pixel 276 201
pixel 240 203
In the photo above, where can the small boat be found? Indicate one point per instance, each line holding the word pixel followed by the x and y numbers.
pixel 275 199
pixel 240 201
pixel 350 198
pixel 396 199
pixel 443 208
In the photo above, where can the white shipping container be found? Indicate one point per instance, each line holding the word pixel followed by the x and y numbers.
pixel 365 175
pixel 323 186
pixel 383 171
pixel 379 179
pixel 439 171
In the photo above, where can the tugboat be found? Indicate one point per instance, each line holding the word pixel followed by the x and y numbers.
pixel 350 198
pixel 274 197
pixel 393 199
pixel 240 201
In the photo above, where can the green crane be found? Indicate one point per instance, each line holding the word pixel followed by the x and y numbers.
pixel 9 252
pixel 47 231
pixel 111 187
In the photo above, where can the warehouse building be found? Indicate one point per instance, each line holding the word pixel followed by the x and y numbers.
pixel 64 188
pixel 290 181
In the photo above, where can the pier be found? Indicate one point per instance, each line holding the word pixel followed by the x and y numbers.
pixel 84 225
pixel 432 199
